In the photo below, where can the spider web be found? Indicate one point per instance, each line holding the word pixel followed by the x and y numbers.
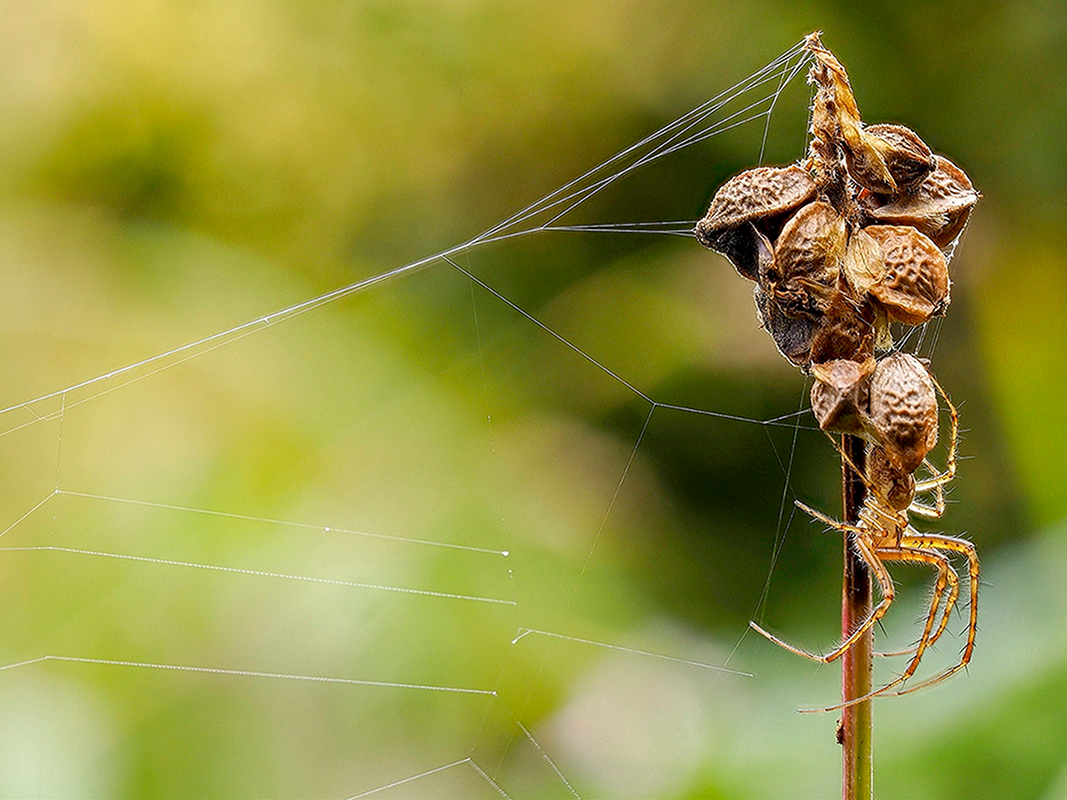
pixel 418 588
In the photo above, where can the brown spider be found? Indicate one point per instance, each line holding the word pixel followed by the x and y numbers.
pixel 885 533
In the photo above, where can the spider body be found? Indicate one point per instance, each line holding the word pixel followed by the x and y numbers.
pixel 884 532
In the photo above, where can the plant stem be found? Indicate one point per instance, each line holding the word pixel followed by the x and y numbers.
pixel 855 733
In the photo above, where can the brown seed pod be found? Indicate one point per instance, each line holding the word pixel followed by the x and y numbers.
pixel 938 207
pixel 907 157
pixel 866 163
pixel 840 395
pixel 844 330
pixel 915 285
pixel 903 416
pixel 807 259
pixel 763 197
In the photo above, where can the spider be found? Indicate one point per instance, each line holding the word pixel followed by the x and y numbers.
pixel 884 533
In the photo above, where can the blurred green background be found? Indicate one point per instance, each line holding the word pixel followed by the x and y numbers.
pixel 172 170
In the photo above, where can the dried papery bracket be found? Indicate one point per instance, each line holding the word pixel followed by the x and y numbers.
pixel 939 207
pixel 834 117
pixel 761 198
pixel 903 415
pixel 841 395
pixel 882 158
pixel 864 263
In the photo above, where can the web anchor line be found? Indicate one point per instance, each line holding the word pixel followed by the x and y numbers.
pixel 247 673
pixel 524 632
pixel 256 573
pixel 682 132
pixel 691 128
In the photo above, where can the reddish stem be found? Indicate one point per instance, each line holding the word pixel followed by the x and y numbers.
pixel 855 732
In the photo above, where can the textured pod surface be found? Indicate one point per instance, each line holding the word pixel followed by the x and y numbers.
pixel 904 410
pixel 764 196
pixel 938 207
pixel 914 286
pixel 757 194
pixel 840 395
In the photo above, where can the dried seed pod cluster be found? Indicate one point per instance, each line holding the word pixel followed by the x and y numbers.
pixel 840 246
pixel 855 237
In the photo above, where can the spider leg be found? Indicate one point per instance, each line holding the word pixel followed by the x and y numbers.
pixel 947 577
pixel 833 523
pixel 925 543
pixel 946 580
pixel 860 539
pixel 935 484
pixel 929 512
pixel 922 543
pixel 846 459
pixel 933 541
pixel 937 480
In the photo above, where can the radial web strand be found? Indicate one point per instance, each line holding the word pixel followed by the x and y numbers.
pixel 401 546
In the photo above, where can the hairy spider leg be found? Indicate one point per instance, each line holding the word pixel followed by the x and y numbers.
pixel 860 539
pixel 962 546
pixel 912 550
pixel 946 573
pixel 938 480
pixel 947 579
pixel 935 483
pixel 930 542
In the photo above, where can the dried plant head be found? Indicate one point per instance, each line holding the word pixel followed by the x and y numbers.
pixel 756 199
